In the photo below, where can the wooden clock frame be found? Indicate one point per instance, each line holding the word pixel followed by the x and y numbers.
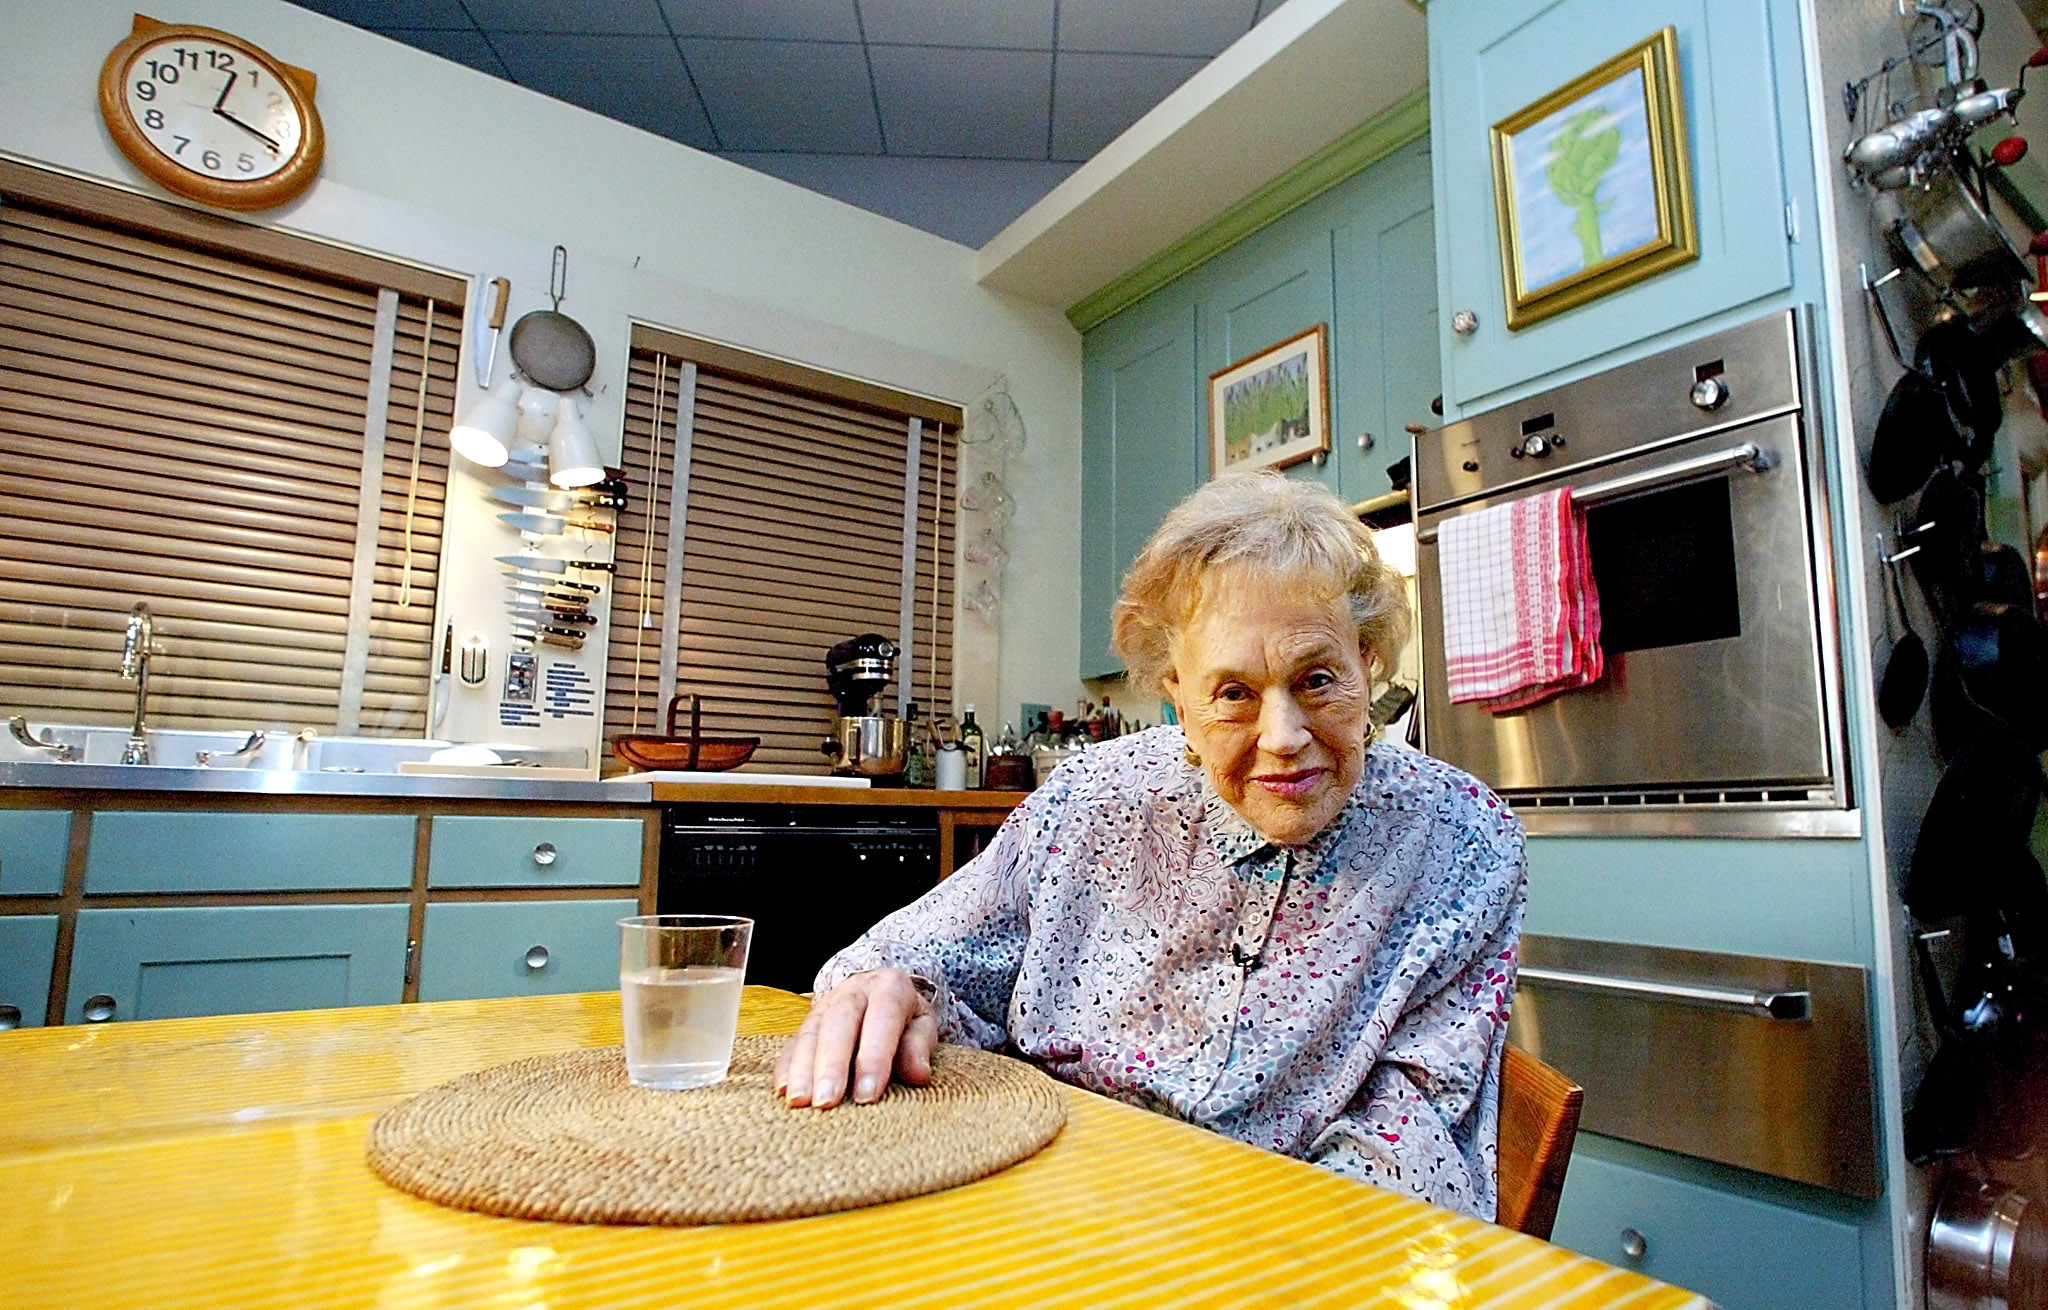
pixel 262 193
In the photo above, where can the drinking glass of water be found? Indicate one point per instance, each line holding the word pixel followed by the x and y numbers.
pixel 679 984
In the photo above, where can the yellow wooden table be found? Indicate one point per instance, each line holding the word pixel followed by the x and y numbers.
pixel 218 1163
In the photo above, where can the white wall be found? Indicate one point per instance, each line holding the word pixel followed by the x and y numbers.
pixel 433 163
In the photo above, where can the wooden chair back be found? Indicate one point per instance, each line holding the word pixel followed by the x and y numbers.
pixel 1539 1117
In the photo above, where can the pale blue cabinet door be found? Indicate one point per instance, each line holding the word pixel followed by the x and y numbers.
pixel 1384 361
pixel 1491 58
pixel 28 945
pixel 177 963
pixel 1743 1253
pixel 1140 448
pixel 531 948
pixel 139 852
pixel 33 846
pixel 478 851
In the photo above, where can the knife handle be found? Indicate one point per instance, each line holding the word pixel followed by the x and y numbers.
pixel 595 565
pixel 502 286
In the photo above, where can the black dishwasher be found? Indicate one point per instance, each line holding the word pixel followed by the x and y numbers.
pixel 811 877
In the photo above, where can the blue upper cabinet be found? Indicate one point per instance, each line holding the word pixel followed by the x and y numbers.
pixel 1358 259
pixel 1491 58
pixel 1140 448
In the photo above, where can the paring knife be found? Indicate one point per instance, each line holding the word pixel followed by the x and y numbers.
pixel 487 358
pixel 529 593
pixel 549 564
pixel 438 709
pixel 550 637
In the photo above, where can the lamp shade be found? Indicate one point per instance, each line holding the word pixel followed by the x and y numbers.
pixel 572 451
pixel 485 434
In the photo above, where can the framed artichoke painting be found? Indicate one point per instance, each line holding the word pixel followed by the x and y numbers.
pixel 1271 409
pixel 1593 184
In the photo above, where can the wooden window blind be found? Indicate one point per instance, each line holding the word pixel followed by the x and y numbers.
pixel 793 542
pixel 186 424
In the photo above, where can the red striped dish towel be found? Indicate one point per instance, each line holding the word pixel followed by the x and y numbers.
pixel 1521 614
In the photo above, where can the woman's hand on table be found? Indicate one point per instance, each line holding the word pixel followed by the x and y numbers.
pixel 872 1024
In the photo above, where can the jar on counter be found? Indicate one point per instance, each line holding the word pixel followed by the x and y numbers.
pixel 952 767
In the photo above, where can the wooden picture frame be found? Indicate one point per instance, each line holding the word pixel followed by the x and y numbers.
pixel 1272 408
pixel 1593 184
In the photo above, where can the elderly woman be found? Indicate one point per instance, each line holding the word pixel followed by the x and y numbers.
pixel 1260 920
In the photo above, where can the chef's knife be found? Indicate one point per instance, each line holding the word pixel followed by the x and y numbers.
pixel 549 564
pixel 545 501
pixel 438 709
pixel 553 580
pixel 540 593
pixel 487 356
pixel 537 614
pixel 551 525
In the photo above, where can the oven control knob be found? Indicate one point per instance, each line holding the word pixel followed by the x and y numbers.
pixel 1710 393
pixel 1534 446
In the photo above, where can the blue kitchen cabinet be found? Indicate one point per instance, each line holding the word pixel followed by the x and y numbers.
pixel 485 851
pixel 141 852
pixel 1383 349
pixel 28 946
pixel 1141 448
pixel 177 963
pixel 1745 1252
pixel 527 948
pixel 1491 58
pixel 33 846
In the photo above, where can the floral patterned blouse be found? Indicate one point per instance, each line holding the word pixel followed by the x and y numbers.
pixel 1344 1001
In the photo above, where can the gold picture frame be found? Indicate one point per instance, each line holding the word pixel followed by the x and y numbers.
pixel 1593 184
pixel 1272 408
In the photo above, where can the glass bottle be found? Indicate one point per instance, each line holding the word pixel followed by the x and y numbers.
pixel 917 758
pixel 971 742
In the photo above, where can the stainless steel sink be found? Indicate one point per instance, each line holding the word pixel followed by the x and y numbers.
pixel 272 749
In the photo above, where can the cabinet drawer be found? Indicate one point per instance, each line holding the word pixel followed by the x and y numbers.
pixel 1739 1251
pixel 33 846
pixel 528 949
pixel 143 851
pixel 493 852
pixel 177 963
pixel 28 943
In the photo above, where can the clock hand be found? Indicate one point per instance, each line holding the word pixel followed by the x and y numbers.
pixel 223 98
pixel 273 146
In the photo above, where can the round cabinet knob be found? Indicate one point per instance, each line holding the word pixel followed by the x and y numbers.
pixel 1633 1244
pixel 1710 393
pixel 98 1009
pixel 1464 322
pixel 1320 458
pixel 544 854
pixel 10 1017
pixel 536 958
pixel 1365 441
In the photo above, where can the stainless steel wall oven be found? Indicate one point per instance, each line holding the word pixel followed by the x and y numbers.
pixel 1708 529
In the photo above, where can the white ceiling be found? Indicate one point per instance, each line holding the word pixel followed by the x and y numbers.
pixel 951 115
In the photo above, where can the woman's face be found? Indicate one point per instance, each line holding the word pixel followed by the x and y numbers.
pixel 1272 692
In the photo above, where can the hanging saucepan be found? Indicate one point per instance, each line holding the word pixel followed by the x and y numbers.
pixel 1948 526
pixel 2002 657
pixel 551 349
pixel 1942 227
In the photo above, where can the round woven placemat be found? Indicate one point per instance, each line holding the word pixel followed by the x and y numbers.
pixel 566 1137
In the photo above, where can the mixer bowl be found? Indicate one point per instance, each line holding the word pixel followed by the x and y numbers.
pixel 870 744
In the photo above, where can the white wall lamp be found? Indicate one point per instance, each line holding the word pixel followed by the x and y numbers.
pixel 572 452
pixel 485 434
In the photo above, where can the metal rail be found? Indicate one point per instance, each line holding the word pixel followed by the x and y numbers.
pixel 1747 455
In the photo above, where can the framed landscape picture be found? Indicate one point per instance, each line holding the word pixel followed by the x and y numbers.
pixel 1271 409
pixel 1593 184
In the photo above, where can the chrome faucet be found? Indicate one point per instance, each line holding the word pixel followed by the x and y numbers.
pixel 136 648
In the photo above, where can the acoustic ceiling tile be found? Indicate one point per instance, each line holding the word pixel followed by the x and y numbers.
pixel 767 20
pixel 1095 97
pixel 983 104
pixel 558 62
pixel 669 110
pixel 381 14
pixel 999 24
pixel 786 95
pixel 618 17
pixel 468 47
pixel 1154 27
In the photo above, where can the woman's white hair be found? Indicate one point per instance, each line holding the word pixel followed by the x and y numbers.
pixel 1296 533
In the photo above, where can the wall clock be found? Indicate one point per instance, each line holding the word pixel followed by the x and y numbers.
pixel 211 116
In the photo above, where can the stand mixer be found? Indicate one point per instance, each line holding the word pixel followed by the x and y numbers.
pixel 862 741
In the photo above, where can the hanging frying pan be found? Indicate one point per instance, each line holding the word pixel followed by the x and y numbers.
pixel 2002 656
pixel 1965 367
pixel 551 349
pixel 1981 813
pixel 1904 683
pixel 1915 435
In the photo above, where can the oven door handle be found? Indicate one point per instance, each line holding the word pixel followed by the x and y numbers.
pixel 1748 455
pixel 1785 1005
